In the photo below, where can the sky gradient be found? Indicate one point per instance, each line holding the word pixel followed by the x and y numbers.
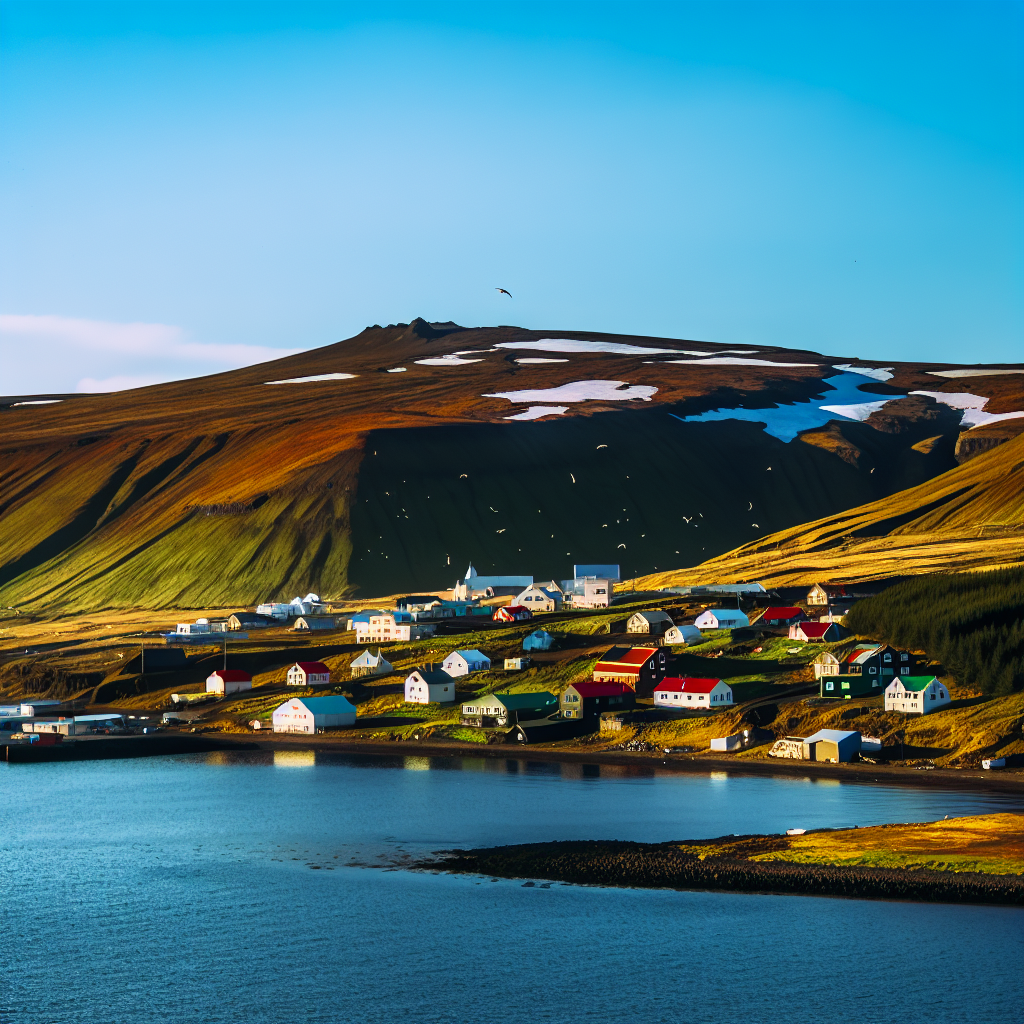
pixel 186 187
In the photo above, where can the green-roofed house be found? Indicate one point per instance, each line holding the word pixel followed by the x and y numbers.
pixel 849 687
pixel 916 695
pixel 500 710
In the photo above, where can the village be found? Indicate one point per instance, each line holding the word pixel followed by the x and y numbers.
pixel 581 663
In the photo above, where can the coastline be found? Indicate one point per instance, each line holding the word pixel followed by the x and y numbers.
pixel 668 866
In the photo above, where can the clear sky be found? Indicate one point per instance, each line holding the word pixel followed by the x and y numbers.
pixel 190 186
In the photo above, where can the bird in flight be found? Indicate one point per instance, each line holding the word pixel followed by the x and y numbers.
pixel 504 291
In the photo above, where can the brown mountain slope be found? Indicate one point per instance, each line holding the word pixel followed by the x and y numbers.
pixel 971 517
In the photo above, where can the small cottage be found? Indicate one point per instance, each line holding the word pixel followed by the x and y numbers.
pixel 781 616
pixel 655 623
pixel 916 695
pixel 588 700
pixel 314 622
pixel 462 663
pixel 678 635
pixel 850 687
pixel 540 598
pixel 309 673
pixel 228 680
pixel 815 632
pixel 538 640
pixel 313 714
pixel 512 613
pixel 429 685
pixel 692 694
pixel 368 664
pixel 516 664
pixel 721 618
pixel 640 668
pixel 498 710
pixel 826 664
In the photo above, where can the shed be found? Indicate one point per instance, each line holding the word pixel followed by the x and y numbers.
pixel 512 613
pixel 494 710
pixel 368 664
pixel 39 707
pixel 315 622
pixel 721 618
pixel 313 714
pixel 916 695
pixel 516 664
pixel 462 663
pixel 309 673
pixel 228 680
pixel 683 635
pixel 656 622
pixel 832 745
pixel 429 685
pixel 249 620
pixel 692 693
pixel 546 731
pixel 538 640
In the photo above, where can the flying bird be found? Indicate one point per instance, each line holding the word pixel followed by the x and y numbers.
pixel 504 291
pixel 622 545
pixel 600 446
pixel 751 507
pixel 502 530
pixel 574 478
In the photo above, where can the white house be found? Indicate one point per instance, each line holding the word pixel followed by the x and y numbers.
pixel 193 628
pixel 368 664
pixel 683 635
pixel 649 622
pixel 461 663
pixel 228 680
pixel 721 618
pixel 313 714
pixel 540 598
pixel 692 693
pixel 275 611
pixel 309 673
pixel 389 627
pixel 916 695
pixel 429 686
pixel 593 592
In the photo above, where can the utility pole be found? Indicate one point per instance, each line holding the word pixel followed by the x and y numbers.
pixel 225 654
pixel 142 665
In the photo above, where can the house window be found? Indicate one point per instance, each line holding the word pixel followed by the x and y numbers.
pixel 904 671
pixel 904 657
pixel 887 658
pixel 933 696
pixel 872 671
pixel 689 696
pixel 828 686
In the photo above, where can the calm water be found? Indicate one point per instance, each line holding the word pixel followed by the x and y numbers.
pixel 184 889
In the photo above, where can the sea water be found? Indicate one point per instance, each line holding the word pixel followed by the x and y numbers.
pixel 221 888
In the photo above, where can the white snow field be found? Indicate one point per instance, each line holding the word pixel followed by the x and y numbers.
pixel 614 347
pixel 452 360
pixel 878 373
pixel 582 391
pixel 732 361
pixel 536 411
pixel 540 359
pixel 973 406
pixel 859 411
pixel 311 380
pixel 969 373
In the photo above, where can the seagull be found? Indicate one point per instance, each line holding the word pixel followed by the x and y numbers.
pixel 463 476
pixel 502 530
pixel 751 507
pixel 504 291
pixel 622 545
pixel 755 525
pixel 600 446
pixel 574 478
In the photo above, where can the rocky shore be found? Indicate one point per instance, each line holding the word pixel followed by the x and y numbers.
pixel 666 866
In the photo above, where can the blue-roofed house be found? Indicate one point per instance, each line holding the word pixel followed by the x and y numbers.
pixel 314 714
pixel 538 640
pixel 462 663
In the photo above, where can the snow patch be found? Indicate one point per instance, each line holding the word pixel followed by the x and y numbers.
pixel 732 361
pixel 39 401
pixel 583 391
pixel 452 360
pixel 310 380
pixel 972 406
pixel 536 411
pixel 613 347
pixel 859 411
pixel 540 359
pixel 969 373
pixel 397 369
pixel 877 373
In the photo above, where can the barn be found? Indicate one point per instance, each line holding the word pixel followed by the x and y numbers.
pixel 721 618
pixel 309 673
pixel 313 714
pixel 228 680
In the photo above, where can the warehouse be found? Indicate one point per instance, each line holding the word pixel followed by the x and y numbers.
pixel 313 714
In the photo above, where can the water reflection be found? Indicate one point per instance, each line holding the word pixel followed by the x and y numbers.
pixel 294 758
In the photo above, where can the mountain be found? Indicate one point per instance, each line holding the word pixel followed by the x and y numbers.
pixel 403 465
pixel 969 518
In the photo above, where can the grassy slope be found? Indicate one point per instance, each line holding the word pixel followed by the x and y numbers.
pixel 971 517
pixel 992 843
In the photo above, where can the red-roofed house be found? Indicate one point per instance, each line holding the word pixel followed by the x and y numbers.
pixel 638 667
pixel 512 613
pixel 815 632
pixel 692 693
pixel 782 616
pixel 309 673
pixel 588 700
pixel 228 680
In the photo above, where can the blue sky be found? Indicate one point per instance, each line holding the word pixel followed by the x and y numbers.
pixel 190 186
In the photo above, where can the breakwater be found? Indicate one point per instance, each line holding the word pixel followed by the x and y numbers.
pixel 665 866
pixel 116 747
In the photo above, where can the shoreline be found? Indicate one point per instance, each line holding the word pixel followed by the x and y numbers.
pixel 861 774
pixel 627 865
